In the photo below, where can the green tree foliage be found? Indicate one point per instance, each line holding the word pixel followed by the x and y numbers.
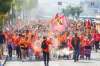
pixel 18 4
pixel 24 4
pixel 66 12
pixel 5 6
pixel 72 11
pixel 79 10
pixel 30 4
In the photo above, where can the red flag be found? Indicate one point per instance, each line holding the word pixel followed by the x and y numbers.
pixel 88 24
pixel 58 23
pixel 35 36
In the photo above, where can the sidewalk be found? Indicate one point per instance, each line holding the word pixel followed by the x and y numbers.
pixel 2 62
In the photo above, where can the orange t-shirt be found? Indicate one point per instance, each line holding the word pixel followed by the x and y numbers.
pixel 23 42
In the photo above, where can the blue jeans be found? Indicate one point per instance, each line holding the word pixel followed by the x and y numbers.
pixel 76 55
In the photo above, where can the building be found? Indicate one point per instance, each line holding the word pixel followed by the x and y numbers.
pixel 90 7
pixel 98 23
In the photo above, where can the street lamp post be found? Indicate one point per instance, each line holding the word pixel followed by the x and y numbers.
pixel 59 6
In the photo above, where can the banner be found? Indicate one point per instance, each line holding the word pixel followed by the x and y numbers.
pixel 59 23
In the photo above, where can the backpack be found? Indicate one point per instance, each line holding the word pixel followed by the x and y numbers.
pixel 44 45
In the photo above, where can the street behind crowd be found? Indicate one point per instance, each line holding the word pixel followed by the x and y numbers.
pixel 95 61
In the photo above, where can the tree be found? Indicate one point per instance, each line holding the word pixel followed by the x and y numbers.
pixel 73 11
pixel 17 5
pixel 30 4
pixel 79 10
pixel 5 6
pixel 69 11
pixel 66 12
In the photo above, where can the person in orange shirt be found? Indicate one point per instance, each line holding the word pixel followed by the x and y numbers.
pixel 49 41
pixel 96 42
pixel 23 45
pixel 18 49
pixel 6 35
pixel 88 48
pixel 82 46
pixel 28 43
pixel 69 39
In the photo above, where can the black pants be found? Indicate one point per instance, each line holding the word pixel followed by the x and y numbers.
pixel 46 58
pixel 18 52
pixel 10 52
pixel 96 45
pixel 27 53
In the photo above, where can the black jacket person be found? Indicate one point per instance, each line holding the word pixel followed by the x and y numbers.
pixel 76 47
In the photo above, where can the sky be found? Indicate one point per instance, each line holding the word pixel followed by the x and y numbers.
pixel 49 8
